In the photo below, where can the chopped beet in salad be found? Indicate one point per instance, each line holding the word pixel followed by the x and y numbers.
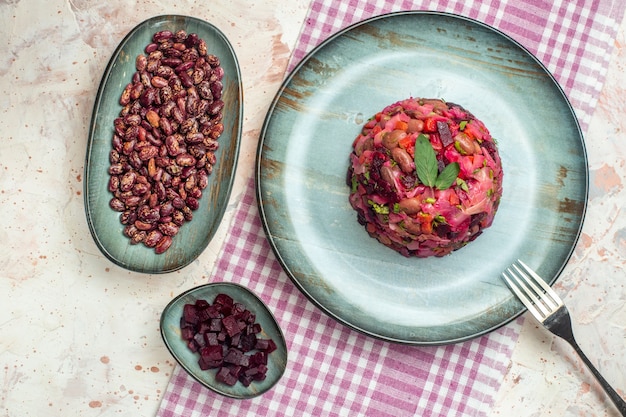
pixel 425 177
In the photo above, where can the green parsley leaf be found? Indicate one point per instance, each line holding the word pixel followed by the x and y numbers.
pixel 425 161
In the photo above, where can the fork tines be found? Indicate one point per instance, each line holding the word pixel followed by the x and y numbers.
pixel 533 291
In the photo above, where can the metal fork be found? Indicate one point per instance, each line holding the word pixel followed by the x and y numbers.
pixel 550 311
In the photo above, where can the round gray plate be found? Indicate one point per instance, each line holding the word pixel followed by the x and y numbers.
pixel 104 223
pixel 303 157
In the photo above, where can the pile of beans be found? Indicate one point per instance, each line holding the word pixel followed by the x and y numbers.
pixel 165 137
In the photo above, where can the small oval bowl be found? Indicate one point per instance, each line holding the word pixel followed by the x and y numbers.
pixel 171 333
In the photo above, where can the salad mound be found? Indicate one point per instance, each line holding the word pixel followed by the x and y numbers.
pixel 425 177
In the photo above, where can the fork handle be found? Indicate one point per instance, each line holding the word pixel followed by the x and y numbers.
pixel 615 397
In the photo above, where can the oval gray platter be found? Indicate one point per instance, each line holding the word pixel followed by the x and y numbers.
pixel 302 160
pixel 103 222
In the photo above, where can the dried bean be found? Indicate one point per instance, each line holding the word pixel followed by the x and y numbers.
pixel 163 245
pixel 164 139
pixel 153 238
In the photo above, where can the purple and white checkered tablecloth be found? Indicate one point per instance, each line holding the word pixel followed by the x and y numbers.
pixel 334 371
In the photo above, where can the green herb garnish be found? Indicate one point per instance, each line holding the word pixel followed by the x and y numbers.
pixel 461 183
pixel 447 176
pixel 378 208
pixel 425 161
pixel 427 169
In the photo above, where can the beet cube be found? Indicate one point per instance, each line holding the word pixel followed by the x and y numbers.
pixel 212 352
pixel 210 338
pixel 231 325
pixel 187 333
pixel 204 315
pixel 192 346
pixel 254 328
pixel 190 313
pixel 246 380
pixel 444 133
pixel 184 323
pixel 236 340
pixel 224 376
pixel 271 346
pixel 252 371
pixel 244 316
pixel 202 304
pixel 203 327
pixel 236 370
pixel 258 358
pixel 223 300
pixel 238 309
pixel 237 357
pixel 221 336
pixel 247 342
pixel 209 364
pixel 215 325
pixel 252 318
pixel 242 325
pixel 199 339
pixel 262 344
pixel 259 377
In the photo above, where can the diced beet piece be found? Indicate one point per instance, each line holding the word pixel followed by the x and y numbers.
pixel 213 311
pixel 202 304
pixel 266 345
pixel 187 333
pixel 252 371
pixel 192 346
pixel 212 352
pixel 204 315
pixel 247 342
pixel 223 299
pixel 234 341
pixel 259 377
pixel 203 327
pixel 238 309
pixel 224 376
pixel 271 346
pixel 237 357
pixel 209 364
pixel 236 370
pixel 243 316
pixel 258 358
pixel 444 133
pixel 231 325
pixel 246 380
pixel 184 324
pixel 242 325
pixel 215 325
pixel 210 338
pixel 254 328
pixel 257 373
pixel 251 319
pixel 199 339
pixel 222 336
pixel 190 313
